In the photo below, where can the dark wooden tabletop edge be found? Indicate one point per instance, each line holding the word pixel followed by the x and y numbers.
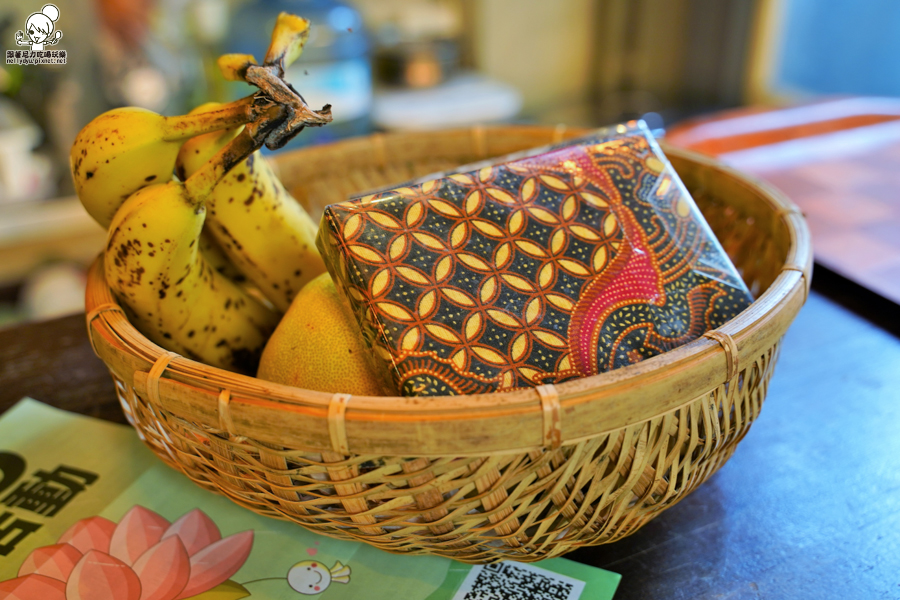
pixel 871 306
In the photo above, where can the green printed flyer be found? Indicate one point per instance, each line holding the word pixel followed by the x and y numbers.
pixel 88 513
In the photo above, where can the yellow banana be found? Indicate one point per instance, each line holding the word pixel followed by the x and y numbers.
pixel 152 262
pixel 126 149
pixel 256 222
pixel 221 264
pixel 217 259
pixel 234 66
pixel 288 38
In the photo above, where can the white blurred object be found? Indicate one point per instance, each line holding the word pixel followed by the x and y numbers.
pixel 210 20
pixel 403 20
pixel 146 87
pixel 53 291
pixel 24 175
pixel 422 21
pixel 467 99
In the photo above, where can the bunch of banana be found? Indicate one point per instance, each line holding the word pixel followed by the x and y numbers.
pixel 177 299
pixel 256 222
pixel 156 257
pixel 126 149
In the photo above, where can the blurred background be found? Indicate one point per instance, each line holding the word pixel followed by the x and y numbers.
pixel 788 89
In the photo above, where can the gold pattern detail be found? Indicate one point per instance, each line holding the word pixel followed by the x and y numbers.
pixel 573 266
pixel 413 214
pixel 584 233
pixel 555 183
pixel 501 195
pixel 352 226
pixel 519 283
pixel 502 255
pixel 473 326
pixel 445 334
pixel 380 282
pixel 543 215
pixel 569 206
pixel 429 241
pixel 528 189
pixel 531 248
pixel 533 311
pixel 550 339
pixel 394 310
pixel 515 223
pixel 558 241
pixel 412 275
pixel 365 253
pixel 383 219
pixel 445 208
pixel 518 347
pixel 473 202
pixel 442 269
pixel 427 304
pixel 458 235
pixel 503 317
pixel 458 296
pixel 397 247
pixel 488 355
pixel 411 340
pixel 487 289
pixel 487 228
pixel 473 262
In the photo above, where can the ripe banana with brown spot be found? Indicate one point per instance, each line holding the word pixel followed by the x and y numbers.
pixel 265 232
pixel 126 149
pixel 217 258
pixel 219 261
pixel 153 264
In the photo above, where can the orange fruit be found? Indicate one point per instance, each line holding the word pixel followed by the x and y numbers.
pixel 318 345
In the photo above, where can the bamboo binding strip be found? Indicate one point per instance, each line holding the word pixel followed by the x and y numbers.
pixel 551 418
pixel 525 475
pixel 153 376
pixel 732 354
pixel 337 408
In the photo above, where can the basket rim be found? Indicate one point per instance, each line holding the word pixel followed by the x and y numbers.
pixel 456 425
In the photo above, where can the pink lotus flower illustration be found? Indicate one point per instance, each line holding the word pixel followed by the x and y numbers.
pixel 143 557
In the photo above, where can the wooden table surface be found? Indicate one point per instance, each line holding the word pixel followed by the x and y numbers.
pixel 808 507
pixel 838 160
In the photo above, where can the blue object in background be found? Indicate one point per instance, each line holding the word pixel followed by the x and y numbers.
pixel 335 67
pixel 840 47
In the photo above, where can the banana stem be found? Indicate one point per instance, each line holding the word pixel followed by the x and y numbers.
pixel 199 185
pixel 232 114
pixel 299 114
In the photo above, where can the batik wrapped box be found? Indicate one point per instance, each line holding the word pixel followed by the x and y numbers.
pixel 559 263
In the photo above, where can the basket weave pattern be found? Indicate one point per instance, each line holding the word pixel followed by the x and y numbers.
pixel 523 475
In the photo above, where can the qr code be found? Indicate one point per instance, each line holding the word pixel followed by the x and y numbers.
pixel 517 581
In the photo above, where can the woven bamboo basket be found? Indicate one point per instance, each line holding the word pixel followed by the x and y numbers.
pixel 522 475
